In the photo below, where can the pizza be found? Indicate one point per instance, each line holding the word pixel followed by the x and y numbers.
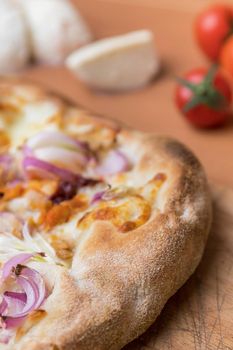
pixel 99 224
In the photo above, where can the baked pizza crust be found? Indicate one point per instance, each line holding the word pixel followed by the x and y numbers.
pixel 119 282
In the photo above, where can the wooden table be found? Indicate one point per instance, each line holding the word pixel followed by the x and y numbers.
pixel 200 315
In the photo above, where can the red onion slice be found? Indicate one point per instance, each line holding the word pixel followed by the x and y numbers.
pixel 44 169
pixel 15 303
pixel 97 197
pixel 13 262
pixel 16 306
pixel 54 138
pixel 31 292
pixel 69 159
pixel 16 295
pixel 115 162
pixel 5 160
pixel 37 281
pixel 12 322
pixel 3 306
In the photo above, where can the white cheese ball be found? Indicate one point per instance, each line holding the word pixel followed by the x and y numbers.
pixel 122 62
pixel 56 29
pixel 14 41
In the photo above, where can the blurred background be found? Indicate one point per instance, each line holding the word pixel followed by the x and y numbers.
pixel 152 107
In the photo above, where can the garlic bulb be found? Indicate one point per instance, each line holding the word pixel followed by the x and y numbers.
pixel 56 29
pixel 14 48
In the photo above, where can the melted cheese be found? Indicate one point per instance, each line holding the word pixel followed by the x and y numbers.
pixel 33 118
pixel 130 208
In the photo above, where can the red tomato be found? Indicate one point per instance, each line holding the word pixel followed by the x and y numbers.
pixel 226 55
pixel 212 27
pixel 206 103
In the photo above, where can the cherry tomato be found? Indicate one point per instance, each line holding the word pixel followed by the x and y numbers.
pixel 204 97
pixel 212 27
pixel 226 55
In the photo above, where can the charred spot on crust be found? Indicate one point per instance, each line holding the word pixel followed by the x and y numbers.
pixel 179 151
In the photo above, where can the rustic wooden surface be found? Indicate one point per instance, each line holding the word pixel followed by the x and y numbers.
pixel 200 315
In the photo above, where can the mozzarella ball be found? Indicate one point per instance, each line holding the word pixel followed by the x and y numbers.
pixel 122 62
pixel 14 41
pixel 56 29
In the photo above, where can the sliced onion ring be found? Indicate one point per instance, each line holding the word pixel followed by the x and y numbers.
pixel 16 295
pixel 15 303
pixel 35 278
pixel 115 162
pixel 54 138
pixel 3 306
pixel 68 159
pixel 42 169
pixel 13 262
pixel 12 322
pixel 16 306
pixel 31 292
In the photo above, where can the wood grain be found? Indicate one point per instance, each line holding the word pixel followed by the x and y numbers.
pixel 199 316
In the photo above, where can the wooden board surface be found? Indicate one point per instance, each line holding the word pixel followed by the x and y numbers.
pixel 200 315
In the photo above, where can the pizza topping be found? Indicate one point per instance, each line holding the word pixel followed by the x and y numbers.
pixel 11 224
pixel 4 140
pixel 125 213
pixel 13 191
pixel 66 190
pixel 33 318
pixel 33 285
pixel 39 169
pixel 13 262
pixel 36 168
pixel 114 162
pixel 64 158
pixel 6 167
pixel 63 248
pixel 35 247
pixel 17 305
pixel 127 226
pixel 46 187
pixel 57 215
pixel 110 193
pixel 61 213
pixel 54 138
pixel 151 189
pixel 100 195
pixel 59 149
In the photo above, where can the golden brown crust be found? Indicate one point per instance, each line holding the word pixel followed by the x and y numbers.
pixel 119 282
